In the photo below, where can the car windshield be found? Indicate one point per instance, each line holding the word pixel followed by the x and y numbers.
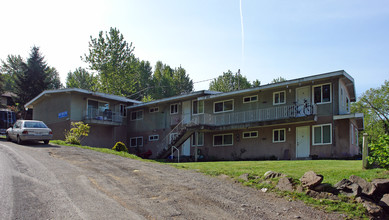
pixel 34 124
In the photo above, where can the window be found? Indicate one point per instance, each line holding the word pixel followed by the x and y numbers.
pixel 223 106
pixel 174 109
pixel 279 98
pixel 96 108
pixel 154 109
pixel 279 135
pixel 172 137
pixel 123 110
pixel 322 134
pixel 250 134
pixel 354 135
pixel 249 99
pixel 136 142
pixel 198 107
pixel 347 104
pixel 137 115
pixel 322 93
pixel 223 140
pixel 198 139
pixel 154 137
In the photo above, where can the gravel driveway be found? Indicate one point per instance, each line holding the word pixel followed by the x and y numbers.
pixel 57 182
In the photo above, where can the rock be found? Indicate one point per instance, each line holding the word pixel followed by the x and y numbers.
pixel 271 174
pixel 348 188
pixel 264 190
pixel 299 189
pixel 325 187
pixel 382 185
pixel 384 202
pixel 321 195
pixel 310 179
pixel 373 209
pixel 285 184
pixel 244 177
pixel 367 188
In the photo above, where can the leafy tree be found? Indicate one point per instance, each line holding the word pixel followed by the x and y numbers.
pixel 374 104
pixel 256 83
pixel 230 82
pixel 10 68
pixel 168 82
pixel 113 59
pixel 36 77
pixel 143 79
pixel 82 79
pixel 278 80
pixel 54 82
pixel 379 154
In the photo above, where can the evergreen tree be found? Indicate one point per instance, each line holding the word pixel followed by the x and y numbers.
pixel 36 77
pixel 9 69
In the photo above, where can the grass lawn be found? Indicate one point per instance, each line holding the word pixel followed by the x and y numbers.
pixel 332 170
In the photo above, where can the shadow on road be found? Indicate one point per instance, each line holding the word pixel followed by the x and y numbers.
pixel 34 144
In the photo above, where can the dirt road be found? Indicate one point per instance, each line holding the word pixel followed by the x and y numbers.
pixel 52 182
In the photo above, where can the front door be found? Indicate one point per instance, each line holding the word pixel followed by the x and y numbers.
pixel 303 97
pixel 302 142
pixel 186 116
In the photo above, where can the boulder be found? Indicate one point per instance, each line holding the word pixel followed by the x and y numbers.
pixel 382 186
pixel 367 188
pixel 285 184
pixel 384 202
pixel 348 188
pixel 310 179
pixel 244 177
pixel 271 175
pixel 321 195
pixel 373 209
pixel 325 187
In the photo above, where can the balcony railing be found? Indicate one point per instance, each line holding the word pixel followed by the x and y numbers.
pixel 103 117
pixel 257 115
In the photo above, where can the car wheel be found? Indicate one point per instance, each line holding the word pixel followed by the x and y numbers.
pixel 18 140
pixel 7 137
pixel 46 142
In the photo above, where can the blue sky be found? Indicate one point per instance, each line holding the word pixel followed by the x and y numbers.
pixel 281 38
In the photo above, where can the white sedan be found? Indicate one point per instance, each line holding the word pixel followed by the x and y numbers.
pixel 29 130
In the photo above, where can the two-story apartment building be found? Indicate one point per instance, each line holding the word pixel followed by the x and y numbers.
pixel 294 119
pixel 106 114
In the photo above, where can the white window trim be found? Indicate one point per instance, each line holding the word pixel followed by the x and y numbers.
pixel 213 140
pixel 250 98
pixel 153 137
pixel 279 129
pixel 198 145
pixel 274 97
pixel 137 119
pixel 124 115
pixel 156 109
pixel 250 132
pixel 170 110
pixel 313 134
pixel 97 102
pixel 198 107
pixel 223 106
pixel 171 136
pixel 136 138
pixel 313 93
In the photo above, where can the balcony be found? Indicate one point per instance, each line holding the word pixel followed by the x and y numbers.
pixel 106 117
pixel 274 115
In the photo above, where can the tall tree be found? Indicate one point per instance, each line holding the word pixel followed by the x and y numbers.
pixel 374 104
pixel 82 79
pixel 113 59
pixel 169 82
pixel 143 80
pixel 229 82
pixel 36 77
pixel 279 79
pixel 10 68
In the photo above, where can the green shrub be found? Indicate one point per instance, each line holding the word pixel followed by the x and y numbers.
pixel 77 133
pixel 379 152
pixel 120 146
